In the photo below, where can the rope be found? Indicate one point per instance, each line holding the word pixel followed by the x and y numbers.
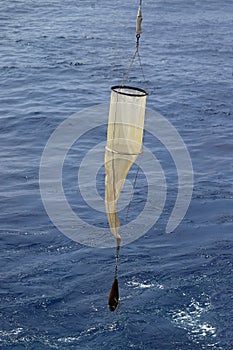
pixel 140 63
pixel 136 53
pixel 125 76
pixel 117 257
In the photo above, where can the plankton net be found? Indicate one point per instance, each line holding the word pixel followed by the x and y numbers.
pixel 124 144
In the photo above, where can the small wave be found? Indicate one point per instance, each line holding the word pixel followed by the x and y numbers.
pixel 68 339
pixel 144 285
pixel 13 332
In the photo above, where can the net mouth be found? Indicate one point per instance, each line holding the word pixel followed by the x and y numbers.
pixel 129 90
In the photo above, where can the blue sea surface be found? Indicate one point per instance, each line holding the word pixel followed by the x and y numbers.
pixel 176 290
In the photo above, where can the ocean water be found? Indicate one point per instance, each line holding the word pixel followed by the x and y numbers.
pixel 176 290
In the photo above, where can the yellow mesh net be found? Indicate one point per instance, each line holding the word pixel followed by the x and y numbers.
pixel 124 143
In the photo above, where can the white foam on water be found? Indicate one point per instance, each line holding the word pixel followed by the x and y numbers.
pixel 190 319
pixel 144 285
